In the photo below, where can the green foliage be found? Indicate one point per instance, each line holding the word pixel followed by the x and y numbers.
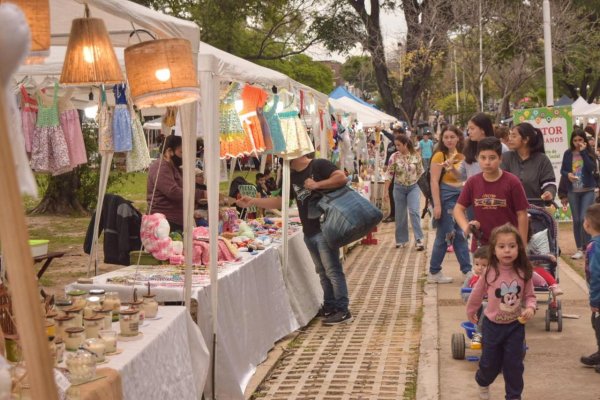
pixel 447 105
pixel 304 70
pixel 358 70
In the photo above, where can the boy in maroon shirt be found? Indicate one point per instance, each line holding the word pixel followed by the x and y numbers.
pixel 497 196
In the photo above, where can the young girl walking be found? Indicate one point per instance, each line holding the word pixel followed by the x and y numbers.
pixel 511 302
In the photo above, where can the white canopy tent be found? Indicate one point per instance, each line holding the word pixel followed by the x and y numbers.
pixel 366 115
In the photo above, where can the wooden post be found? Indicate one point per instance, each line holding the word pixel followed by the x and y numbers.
pixel 19 265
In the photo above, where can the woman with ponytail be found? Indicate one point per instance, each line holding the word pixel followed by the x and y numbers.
pixel 529 162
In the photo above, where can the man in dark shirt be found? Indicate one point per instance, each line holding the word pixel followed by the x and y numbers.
pixel 308 175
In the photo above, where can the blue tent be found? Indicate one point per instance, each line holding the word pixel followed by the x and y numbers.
pixel 341 91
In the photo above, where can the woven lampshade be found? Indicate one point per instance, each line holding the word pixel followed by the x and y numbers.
pixel 37 13
pixel 90 55
pixel 161 73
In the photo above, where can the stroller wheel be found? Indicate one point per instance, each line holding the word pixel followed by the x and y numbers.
pixel 548 320
pixel 559 319
pixel 458 346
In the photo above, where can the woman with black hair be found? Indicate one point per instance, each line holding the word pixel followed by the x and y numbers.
pixel 529 162
pixel 578 166
pixel 479 126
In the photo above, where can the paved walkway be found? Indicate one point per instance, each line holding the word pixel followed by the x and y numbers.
pixel 374 357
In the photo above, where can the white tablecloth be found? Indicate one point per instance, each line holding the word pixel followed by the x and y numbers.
pixel 170 361
pixel 256 309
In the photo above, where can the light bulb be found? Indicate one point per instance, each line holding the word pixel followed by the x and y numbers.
pixel 91 112
pixel 163 74
pixel 88 54
pixel 239 105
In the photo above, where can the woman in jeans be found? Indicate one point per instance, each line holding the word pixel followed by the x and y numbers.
pixel 406 167
pixel 445 188
pixel 578 166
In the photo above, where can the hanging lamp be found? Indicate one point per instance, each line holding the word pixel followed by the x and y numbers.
pixel 161 73
pixel 90 57
pixel 37 13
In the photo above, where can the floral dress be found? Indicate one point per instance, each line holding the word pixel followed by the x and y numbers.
pixel 234 141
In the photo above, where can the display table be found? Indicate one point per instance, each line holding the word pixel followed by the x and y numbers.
pixel 256 308
pixel 169 361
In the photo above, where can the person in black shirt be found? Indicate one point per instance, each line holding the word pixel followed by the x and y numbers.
pixel 308 175
pixel 261 185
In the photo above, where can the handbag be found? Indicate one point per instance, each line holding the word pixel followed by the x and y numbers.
pixel 346 216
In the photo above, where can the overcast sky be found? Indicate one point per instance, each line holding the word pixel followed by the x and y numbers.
pixel 393 27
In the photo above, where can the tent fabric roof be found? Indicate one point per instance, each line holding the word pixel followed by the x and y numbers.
pixel 366 115
pixel 120 17
pixel 341 91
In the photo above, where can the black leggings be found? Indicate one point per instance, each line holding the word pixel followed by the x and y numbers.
pixel 392 203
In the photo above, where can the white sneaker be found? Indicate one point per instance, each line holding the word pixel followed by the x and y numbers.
pixel 578 255
pixel 484 392
pixel 438 278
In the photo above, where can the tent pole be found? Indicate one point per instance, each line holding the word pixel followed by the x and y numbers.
pixel 285 202
pixel 19 266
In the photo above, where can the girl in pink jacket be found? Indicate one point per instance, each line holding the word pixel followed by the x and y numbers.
pixel 511 302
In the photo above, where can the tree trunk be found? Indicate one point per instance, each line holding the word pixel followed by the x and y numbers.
pixel 61 195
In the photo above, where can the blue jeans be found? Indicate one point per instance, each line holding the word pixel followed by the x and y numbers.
pixel 328 266
pixel 448 232
pixel 502 351
pixel 407 198
pixel 579 202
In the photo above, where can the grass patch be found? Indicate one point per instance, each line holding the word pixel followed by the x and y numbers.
pixel 571 263
pixel 46 281
pixel 61 233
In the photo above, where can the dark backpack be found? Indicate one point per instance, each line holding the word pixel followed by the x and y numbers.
pixel 424 183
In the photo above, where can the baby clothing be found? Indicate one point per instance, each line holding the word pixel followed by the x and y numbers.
pixel 49 151
pixel 297 142
pixel 71 126
pixel 121 124
pixel 270 113
pixel 103 118
pixel 138 158
pixel 234 141
pixel 253 98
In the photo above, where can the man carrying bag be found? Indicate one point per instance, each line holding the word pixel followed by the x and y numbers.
pixel 307 177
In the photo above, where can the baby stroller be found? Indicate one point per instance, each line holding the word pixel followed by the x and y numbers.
pixel 539 220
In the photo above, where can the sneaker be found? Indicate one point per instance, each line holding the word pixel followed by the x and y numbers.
pixel 401 245
pixel 591 360
pixel 556 290
pixel 438 278
pixel 326 312
pixel 388 219
pixel 419 245
pixel 578 255
pixel 484 392
pixel 340 317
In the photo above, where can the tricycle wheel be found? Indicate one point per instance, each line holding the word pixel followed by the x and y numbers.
pixel 458 346
pixel 548 320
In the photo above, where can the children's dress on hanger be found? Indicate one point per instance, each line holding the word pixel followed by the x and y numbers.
pixel 103 118
pixel 270 113
pixel 234 141
pixel 253 98
pixel 138 158
pixel 49 151
pixel 28 117
pixel 71 126
pixel 297 142
pixel 121 124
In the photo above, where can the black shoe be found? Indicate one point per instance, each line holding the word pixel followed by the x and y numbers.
pixel 597 368
pixel 591 360
pixel 326 312
pixel 340 317
pixel 388 219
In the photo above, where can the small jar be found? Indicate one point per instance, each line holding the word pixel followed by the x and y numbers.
pixel 150 306
pixel 100 293
pixel 77 314
pixel 74 338
pixel 138 306
pixel 82 367
pixel 62 323
pixel 61 305
pixel 97 347
pixel 110 340
pixel 60 349
pixel 52 347
pixel 77 297
pixel 92 303
pixel 107 314
pixel 50 328
pixel 93 325
pixel 129 322
pixel 50 315
pixel 112 300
